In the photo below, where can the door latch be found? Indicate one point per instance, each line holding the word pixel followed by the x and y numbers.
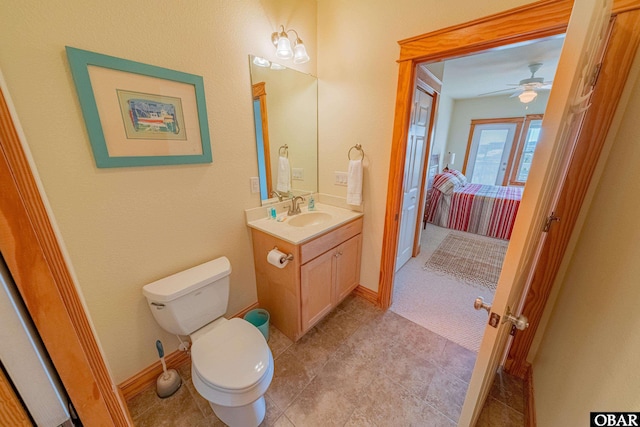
pixel 521 322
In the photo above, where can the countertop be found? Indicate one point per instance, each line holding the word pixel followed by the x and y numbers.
pixel 298 235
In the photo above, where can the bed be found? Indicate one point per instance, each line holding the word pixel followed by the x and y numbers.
pixel 488 210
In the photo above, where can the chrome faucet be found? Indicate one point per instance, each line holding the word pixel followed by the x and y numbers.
pixel 280 196
pixel 294 209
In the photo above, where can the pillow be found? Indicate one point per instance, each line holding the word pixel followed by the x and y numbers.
pixel 460 176
pixel 445 182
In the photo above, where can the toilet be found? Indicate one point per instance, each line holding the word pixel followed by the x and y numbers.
pixel 232 365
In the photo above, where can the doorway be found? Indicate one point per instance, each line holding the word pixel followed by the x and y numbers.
pixel 487 131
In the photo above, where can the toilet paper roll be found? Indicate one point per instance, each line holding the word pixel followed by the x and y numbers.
pixel 277 258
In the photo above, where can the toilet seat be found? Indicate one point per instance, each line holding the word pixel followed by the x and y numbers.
pixel 233 357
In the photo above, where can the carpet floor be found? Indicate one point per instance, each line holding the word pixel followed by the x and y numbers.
pixel 438 301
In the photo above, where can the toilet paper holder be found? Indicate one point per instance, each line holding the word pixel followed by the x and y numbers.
pixel 289 257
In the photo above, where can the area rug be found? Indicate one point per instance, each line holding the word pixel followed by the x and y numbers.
pixel 472 260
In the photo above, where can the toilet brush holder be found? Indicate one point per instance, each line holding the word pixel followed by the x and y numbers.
pixel 169 380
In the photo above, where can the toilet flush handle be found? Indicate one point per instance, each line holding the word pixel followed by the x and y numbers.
pixel 157 305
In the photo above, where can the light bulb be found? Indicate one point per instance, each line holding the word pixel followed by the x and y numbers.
pixel 300 53
pixel 527 96
pixel 284 47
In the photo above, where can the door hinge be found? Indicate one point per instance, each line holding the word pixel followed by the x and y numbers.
pixel 549 221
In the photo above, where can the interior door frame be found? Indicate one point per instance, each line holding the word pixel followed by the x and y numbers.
pixel 30 247
pixel 538 20
pixel 432 86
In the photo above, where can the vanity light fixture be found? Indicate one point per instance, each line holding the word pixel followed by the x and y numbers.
pixel 261 62
pixel 528 96
pixel 283 46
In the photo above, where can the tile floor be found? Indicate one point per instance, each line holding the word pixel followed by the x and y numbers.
pixel 360 366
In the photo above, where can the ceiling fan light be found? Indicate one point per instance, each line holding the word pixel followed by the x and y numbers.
pixel 527 96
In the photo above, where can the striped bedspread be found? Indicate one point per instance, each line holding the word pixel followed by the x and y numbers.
pixel 481 209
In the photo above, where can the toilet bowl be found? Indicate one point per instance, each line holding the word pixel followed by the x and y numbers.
pixel 232 365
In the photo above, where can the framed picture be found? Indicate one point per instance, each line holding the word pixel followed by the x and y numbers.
pixel 138 114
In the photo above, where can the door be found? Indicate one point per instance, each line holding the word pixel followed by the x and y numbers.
pixel 316 289
pixel 416 146
pixel 490 150
pixel 347 267
pixel 569 95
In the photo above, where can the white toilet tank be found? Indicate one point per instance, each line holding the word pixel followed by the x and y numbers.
pixel 186 301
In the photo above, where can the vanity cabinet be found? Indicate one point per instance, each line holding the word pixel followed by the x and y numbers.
pixel 323 272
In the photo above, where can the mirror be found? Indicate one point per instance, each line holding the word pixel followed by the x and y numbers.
pixel 285 108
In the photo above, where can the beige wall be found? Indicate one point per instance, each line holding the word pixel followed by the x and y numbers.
pixel 357 43
pixel 587 359
pixel 126 227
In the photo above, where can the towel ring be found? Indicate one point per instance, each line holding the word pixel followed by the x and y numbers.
pixel 284 148
pixel 357 147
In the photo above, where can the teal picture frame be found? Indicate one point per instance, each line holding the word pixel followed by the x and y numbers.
pixel 190 143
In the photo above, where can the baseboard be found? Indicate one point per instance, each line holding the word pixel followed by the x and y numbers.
pixel 246 310
pixel 367 294
pixel 137 383
pixel 143 379
pixel 529 407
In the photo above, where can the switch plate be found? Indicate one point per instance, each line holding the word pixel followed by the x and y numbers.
pixel 297 174
pixel 255 184
pixel 340 178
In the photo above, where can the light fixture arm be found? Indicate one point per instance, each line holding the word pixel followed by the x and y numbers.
pixel 280 39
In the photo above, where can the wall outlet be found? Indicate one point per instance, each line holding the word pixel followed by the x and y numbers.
pixel 255 184
pixel 340 178
pixel 297 174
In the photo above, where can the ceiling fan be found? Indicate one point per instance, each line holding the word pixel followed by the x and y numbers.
pixel 527 89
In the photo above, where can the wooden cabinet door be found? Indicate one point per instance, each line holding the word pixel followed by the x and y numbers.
pixel 316 289
pixel 347 267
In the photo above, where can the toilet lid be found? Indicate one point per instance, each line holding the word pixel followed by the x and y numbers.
pixel 233 355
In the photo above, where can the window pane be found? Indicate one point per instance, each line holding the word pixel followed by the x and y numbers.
pixel 529 148
pixel 489 156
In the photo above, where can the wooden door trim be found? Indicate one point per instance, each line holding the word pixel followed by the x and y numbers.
pixel 528 22
pixel 423 179
pixel 11 410
pixel 619 56
pixel 260 93
pixel 33 255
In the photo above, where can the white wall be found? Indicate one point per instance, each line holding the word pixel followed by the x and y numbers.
pixel 586 360
pixel 441 130
pixel 465 110
pixel 126 227
pixel 357 43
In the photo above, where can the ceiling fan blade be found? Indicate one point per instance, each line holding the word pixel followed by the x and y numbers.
pixel 498 91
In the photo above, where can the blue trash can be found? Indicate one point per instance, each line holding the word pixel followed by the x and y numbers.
pixel 260 319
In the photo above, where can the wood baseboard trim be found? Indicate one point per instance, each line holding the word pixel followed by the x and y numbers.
pixel 529 407
pixel 241 313
pixel 137 383
pixel 367 294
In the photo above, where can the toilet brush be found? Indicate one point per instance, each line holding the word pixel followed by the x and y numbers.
pixel 169 381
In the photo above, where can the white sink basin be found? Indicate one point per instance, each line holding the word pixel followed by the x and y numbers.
pixel 309 218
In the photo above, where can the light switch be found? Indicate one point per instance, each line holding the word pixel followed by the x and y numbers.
pixel 340 178
pixel 297 173
pixel 255 184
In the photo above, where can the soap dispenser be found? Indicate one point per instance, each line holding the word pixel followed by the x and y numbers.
pixel 312 204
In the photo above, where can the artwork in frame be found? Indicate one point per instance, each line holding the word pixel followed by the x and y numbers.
pixel 138 114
